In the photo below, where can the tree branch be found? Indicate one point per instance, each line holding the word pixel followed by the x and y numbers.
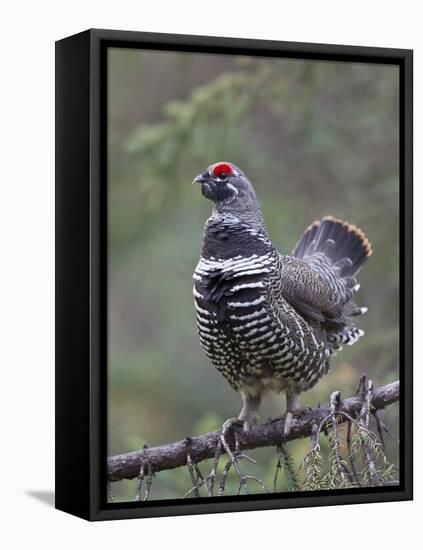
pixel 174 455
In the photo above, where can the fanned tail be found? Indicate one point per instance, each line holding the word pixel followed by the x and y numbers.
pixel 341 242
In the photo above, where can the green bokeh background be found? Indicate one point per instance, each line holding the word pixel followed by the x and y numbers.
pixel 315 138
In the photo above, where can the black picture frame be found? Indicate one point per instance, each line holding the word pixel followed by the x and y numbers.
pixel 81 272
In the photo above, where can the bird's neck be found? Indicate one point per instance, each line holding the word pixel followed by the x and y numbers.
pixel 249 214
pixel 227 236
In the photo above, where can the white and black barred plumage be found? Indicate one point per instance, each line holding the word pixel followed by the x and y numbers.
pixel 267 320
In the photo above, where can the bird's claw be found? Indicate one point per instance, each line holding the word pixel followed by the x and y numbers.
pixel 297 413
pixel 229 425
pixel 287 422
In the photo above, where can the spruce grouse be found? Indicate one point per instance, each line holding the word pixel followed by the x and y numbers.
pixel 269 321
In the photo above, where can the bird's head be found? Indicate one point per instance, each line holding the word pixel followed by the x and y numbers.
pixel 232 193
pixel 228 187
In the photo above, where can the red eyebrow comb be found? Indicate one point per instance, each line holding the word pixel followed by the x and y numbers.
pixel 222 168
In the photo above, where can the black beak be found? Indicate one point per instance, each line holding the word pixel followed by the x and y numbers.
pixel 201 178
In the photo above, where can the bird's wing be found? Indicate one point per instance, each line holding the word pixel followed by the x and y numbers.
pixel 306 290
pixel 337 250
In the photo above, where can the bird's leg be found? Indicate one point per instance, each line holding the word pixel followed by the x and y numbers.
pixel 292 405
pixel 248 414
pixel 246 418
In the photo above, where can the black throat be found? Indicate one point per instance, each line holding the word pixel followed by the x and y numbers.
pixel 228 237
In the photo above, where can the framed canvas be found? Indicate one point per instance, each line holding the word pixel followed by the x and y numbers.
pixel 244 343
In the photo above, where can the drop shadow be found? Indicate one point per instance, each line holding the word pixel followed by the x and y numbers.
pixel 46 497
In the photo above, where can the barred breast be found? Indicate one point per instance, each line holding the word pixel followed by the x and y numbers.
pixel 248 331
pixel 229 301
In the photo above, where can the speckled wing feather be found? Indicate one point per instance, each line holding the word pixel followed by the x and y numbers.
pixel 336 250
pixel 306 289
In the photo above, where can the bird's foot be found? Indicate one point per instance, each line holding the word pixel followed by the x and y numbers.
pixel 235 425
pixel 288 419
pixel 232 435
pixel 229 426
pixel 229 436
pixel 296 413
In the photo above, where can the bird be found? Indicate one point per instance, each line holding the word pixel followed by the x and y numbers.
pixel 269 321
